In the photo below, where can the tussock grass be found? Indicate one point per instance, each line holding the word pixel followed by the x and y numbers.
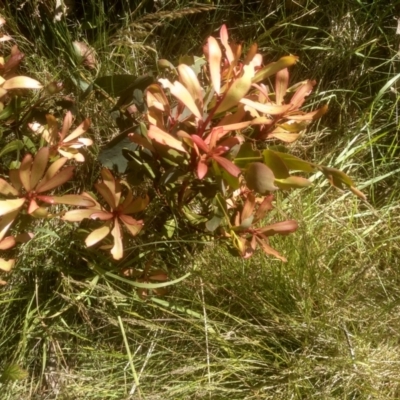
pixel 324 325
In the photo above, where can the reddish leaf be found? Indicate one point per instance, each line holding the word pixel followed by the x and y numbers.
pixel 33 206
pixel 57 180
pixel 133 226
pixel 165 138
pixel 25 172
pixel 214 56
pixel 248 207
pixel 101 215
pixel 200 143
pixel 39 166
pixel 80 130
pixel 227 165
pixel 264 207
pixel 282 228
pixel 301 93
pixel 309 116
pixel 223 34
pixel 183 95
pixel 269 250
pixel 107 195
pixel 189 79
pixel 7 243
pixel 202 169
pixel 53 169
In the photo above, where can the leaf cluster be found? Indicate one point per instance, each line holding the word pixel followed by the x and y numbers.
pixel 205 144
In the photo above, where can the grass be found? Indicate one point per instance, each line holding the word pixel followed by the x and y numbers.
pixel 324 325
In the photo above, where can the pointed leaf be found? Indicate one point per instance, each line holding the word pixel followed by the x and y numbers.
pixel 314 115
pixel 263 208
pixel 281 85
pixel 107 195
pixel 183 95
pixel 237 90
pixel 269 250
pixel 189 79
pixel 39 166
pixel 277 166
pixel 33 206
pixel 80 130
pixel 165 138
pixel 57 180
pixel 271 109
pixel 70 199
pixel 228 165
pixel 53 169
pixel 292 182
pixel 295 163
pixel 77 215
pixel 302 92
pixel 223 34
pixel 25 172
pixel 133 226
pixel 248 207
pixel 200 143
pixel 97 235
pixel 214 56
pixel 281 228
pixel 202 169
pixel 68 119
pixel 273 68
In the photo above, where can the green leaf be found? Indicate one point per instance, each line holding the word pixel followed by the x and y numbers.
pixel 273 68
pixel 292 182
pixel 12 146
pixel 13 372
pixel 260 178
pixel 213 223
pixel 169 228
pixel 246 155
pixel 272 160
pixel 237 90
pixel 116 85
pixel 112 155
pixel 295 163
